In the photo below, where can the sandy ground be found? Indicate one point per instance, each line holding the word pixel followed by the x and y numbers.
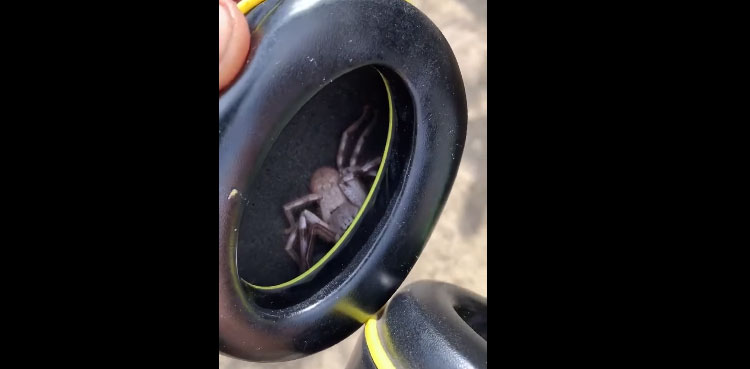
pixel 457 250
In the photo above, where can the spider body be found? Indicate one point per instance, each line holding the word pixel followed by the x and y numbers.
pixel 339 193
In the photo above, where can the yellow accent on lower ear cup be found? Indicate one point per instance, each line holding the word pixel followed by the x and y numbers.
pixel 375 346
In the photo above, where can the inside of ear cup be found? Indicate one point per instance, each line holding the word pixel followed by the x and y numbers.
pixel 309 141
pixel 474 313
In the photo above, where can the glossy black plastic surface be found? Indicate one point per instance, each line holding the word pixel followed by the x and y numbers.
pixel 361 357
pixel 298 48
pixel 435 325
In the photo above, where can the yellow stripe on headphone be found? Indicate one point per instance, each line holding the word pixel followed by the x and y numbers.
pixel 377 351
pixel 247 5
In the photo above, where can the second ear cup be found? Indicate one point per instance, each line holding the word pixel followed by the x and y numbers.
pixel 428 324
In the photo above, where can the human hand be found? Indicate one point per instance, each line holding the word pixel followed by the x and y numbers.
pixel 234 42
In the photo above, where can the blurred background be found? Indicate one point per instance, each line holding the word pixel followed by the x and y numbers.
pixel 457 250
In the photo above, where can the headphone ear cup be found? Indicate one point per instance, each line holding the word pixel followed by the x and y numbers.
pixel 452 326
pixel 307 145
pixel 301 50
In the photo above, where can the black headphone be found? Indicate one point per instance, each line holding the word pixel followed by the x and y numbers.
pixel 388 51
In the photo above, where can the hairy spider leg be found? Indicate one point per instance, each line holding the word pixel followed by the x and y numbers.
pixel 345 138
pixel 361 141
pixel 310 226
pixel 296 204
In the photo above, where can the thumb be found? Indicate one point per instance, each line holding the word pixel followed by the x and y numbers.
pixel 234 41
